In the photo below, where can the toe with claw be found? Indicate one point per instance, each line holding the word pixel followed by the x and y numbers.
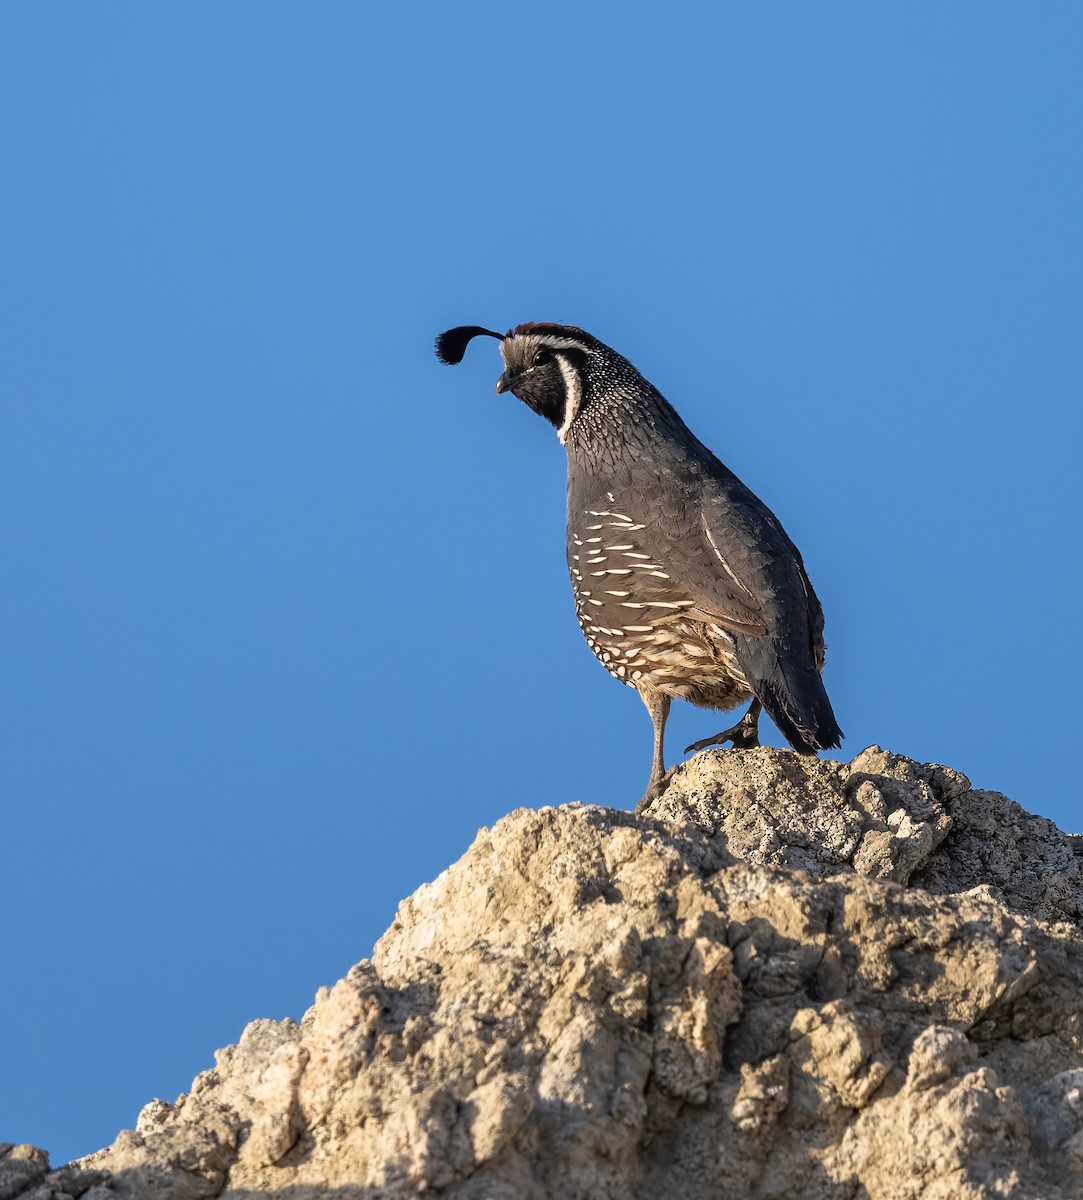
pixel 654 789
pixel 743 736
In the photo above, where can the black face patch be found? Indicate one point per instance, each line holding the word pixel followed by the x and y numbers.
pixel 541 387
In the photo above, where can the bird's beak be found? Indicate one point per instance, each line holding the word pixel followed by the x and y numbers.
pixel 503 384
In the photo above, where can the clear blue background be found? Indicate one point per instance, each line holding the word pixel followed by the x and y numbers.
pixel 284 609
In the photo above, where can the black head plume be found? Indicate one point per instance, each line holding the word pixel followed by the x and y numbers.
pixel 451 345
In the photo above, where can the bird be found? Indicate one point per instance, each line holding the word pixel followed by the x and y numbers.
pixel 686 586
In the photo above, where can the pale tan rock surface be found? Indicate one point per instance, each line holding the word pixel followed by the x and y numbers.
pixel 788 979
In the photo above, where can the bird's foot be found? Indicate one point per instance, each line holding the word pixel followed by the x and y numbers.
pixel 743 736
pixel 654 789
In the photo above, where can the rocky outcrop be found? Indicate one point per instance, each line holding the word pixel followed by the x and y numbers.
pixel 787 978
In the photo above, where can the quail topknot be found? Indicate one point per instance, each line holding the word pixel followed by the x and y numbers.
pixel 685 583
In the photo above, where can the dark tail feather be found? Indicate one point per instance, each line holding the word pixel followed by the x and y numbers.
pixel 792 692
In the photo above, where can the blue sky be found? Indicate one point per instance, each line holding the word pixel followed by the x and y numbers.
pixel 284 611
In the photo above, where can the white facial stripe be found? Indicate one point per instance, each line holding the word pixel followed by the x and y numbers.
pixel 549 342
pixel 573 396
pixel 561 343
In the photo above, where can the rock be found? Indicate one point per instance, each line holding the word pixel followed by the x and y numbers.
pixel 21 1169
pixel 880 815
pixel 24 1172
pixel 787 978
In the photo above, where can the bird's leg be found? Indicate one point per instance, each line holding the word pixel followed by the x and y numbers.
pixel 744 735
pixel 658 706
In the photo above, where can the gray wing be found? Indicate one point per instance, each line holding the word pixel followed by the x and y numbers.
pixel 666 548
pixel 692 540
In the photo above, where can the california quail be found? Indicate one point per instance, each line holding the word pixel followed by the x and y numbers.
pixel 685 583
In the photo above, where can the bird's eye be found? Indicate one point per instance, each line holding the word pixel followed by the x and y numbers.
pixel 542 357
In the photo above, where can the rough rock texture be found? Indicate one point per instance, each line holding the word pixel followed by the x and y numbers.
pixel 788 979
